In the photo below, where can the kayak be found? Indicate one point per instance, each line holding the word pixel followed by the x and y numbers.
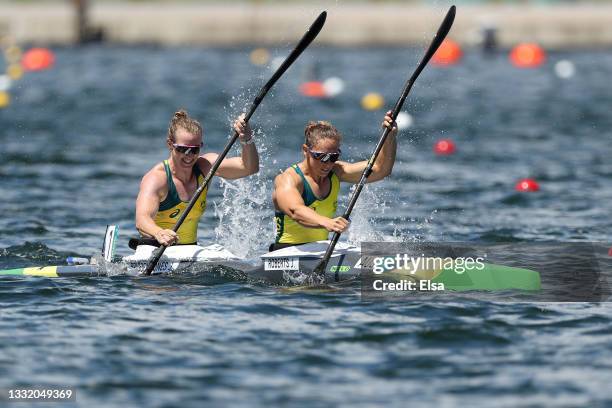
pixel 287 266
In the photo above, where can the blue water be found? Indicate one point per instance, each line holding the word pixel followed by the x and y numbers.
pixel 76 140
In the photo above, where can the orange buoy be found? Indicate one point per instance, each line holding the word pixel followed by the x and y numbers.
pixel 527 185
pixel 37 59
pixel 445 147
pixel 449 53
pixel 527 55
pixel 313 89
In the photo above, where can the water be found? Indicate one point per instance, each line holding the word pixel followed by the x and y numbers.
pixel 77 139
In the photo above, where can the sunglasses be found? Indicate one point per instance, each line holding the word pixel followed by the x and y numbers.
pixel 324 157
pixel 187 149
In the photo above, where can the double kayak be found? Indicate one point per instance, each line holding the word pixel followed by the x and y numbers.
pixel 287 266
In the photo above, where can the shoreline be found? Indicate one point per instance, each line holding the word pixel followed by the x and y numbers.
pixel 385 24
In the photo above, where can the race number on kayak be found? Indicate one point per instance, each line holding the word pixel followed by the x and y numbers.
pixel 282 264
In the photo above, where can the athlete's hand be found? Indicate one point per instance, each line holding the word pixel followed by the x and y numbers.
pixel 337 224
pixel 389 123
pixel 243 129
pixel 166 237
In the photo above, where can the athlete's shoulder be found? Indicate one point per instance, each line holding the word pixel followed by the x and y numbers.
pixel 206 161
pixel 155 178
pixel 290 174
pixel 288 179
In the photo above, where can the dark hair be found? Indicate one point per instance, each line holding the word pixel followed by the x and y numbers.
pixel 182 120
pixel 320 130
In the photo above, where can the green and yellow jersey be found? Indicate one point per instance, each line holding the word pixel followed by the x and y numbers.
pixel 172 207
pixel 290 232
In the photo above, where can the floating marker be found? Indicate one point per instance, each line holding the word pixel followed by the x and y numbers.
pixel 333 86
pixel 565 69
pixel 5 99
pixel 276 63
pixel 313 89
pixel 372 101
pixel 404 120
pixel 5 83
pixel 445 147
pixel 527 55
pixel 449 53
pixel 14 72
pixel 260 56
pixel 37 59
pixel 610 251
pixel 527 185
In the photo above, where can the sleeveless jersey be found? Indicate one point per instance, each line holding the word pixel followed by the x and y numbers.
pixel 290 232
pixel 172 207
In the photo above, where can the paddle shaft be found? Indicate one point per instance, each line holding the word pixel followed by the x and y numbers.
pixel 308 37
pixel 433 47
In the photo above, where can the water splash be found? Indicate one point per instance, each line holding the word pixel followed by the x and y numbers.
pixel 245 219
pixel 369 215
pixel 245 212
pixel 362 228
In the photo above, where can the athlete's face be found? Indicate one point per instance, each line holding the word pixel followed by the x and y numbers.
pixel 317 166
pixel 184 138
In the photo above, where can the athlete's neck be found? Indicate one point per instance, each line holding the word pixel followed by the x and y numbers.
pixel 318 178
pixel 181 172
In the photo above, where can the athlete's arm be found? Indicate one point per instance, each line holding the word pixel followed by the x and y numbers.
pixel 351 172
pixel 288 199
pixel 147 204
pixel 247 163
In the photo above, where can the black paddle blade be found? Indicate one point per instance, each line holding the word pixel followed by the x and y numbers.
pixel 318 273
pixel 308 37
pixel 443 30
pixel 445 27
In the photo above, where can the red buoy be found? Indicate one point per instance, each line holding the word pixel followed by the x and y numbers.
pixel 444 147
pixel 527 185
pixel 313 89
pixel 449 53
pixel 527 55
pixel 37 59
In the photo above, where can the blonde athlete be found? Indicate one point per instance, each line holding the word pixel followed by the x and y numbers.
pixel 167 188
pixel 305 195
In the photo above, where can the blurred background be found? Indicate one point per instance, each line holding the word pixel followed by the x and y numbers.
pixel 553 24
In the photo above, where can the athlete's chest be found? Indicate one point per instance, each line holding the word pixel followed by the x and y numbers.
pixel 321 189
pixel 185 189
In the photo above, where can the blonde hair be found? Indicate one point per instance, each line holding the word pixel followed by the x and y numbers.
pixel 320 130
pixel 181 119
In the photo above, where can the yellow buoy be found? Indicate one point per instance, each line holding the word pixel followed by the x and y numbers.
pixel 260 56
pixel 372 101
pixel 12 54
pixel 14 72
pixel 5 99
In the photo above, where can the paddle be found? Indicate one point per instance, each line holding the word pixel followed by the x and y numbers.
pixel 308 37
pixel 319 270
